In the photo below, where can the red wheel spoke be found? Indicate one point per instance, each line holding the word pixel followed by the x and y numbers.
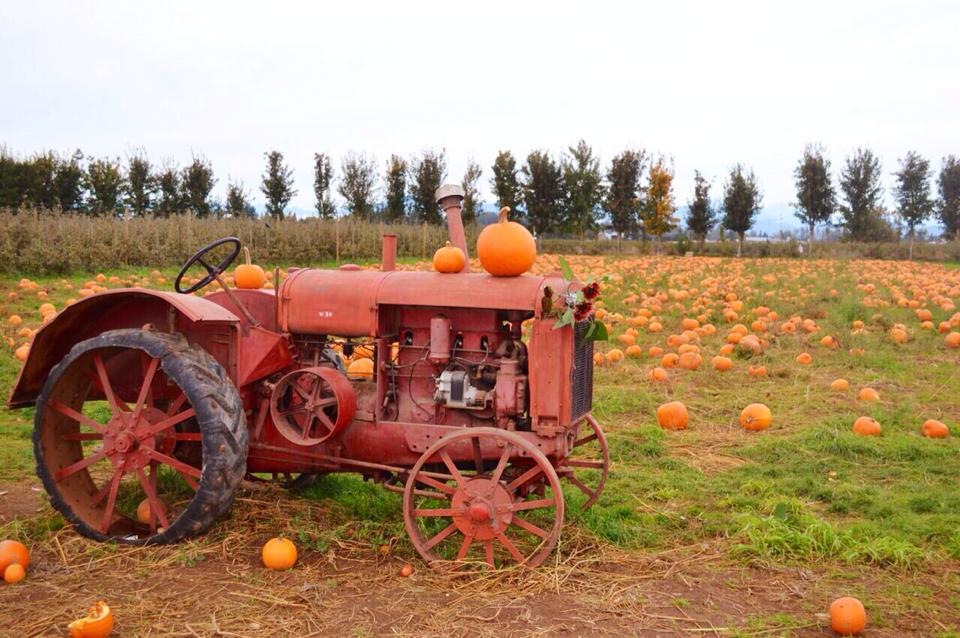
pixel 189 480
pixel 596 465
pixel 83 436
pixel 178 465
pixel 464 547
pixel 452 467
pixel 506 542
pixel 501 464
pixel 443 487
pixel 434 512
pixel 300 409
pixel 580 485
pixel 307 424
pixel 79 465
pixel 105 383
pixel 524 478
pixel 79 417
pixel 520 506
pixel 169 422
pixel 324 419
pixel 530 527
pixel 326 402
pixel 145 388
pixel 111 500
pixel 428 494
pixel 488 552
pixel 449 529
pixel 176 404
pixel 156 510
pixel 477 455
pixel 585 440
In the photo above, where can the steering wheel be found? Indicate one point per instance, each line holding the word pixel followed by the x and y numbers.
pixel 212 271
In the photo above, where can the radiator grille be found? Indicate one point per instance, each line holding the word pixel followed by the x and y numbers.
pixel 581 376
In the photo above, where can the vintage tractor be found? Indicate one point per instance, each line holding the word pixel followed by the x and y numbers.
pixel 152 407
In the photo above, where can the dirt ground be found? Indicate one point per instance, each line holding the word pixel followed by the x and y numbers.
pixel 215 586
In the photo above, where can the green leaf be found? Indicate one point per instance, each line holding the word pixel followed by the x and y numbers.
pixel 588 335
pixel 566 270
pixel 566 319
pixel 780 511
pixel 600 333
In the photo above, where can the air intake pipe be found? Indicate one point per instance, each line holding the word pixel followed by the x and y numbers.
pixel 450 200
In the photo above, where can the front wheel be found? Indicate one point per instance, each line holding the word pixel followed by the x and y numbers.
pixel 140 438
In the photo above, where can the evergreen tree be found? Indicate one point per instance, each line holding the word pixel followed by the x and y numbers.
pixel 701 216
pixel 395 210
pixel 860 184
pixel 471 193
pixel 69 182
pixel 9 179
pixel 623 200
pixel 816 198
pixel 277 186
pixel 506 184
pixel 358 185
pixel 741 203
pixel 39 184
pixel 584 190
pixel 105 184
pixel 322 179
pixel 196 183
pixel 170 201
pixel 948 204
pixel 238 202
pixel 543 193
pixel 659 206
pixel 426 175
pixel 912 192
pixel 141 184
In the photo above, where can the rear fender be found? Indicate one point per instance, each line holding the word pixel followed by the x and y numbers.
pixel 207 324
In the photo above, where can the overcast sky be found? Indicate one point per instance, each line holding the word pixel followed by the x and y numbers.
pixel 706 83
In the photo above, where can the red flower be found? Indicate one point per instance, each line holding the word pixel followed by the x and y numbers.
pixel 582 310
pixel 591 291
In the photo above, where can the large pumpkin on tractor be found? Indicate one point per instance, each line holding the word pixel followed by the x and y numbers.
pixel 171 399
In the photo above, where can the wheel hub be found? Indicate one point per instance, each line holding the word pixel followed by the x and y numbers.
pixel 128 442
pixel 482 508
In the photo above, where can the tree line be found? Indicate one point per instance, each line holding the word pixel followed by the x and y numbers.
pixel 571 194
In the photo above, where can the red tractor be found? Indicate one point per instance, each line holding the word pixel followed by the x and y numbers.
pixel 151 407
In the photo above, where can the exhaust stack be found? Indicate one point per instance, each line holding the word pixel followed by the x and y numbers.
pixel 388 255
pixel 450 200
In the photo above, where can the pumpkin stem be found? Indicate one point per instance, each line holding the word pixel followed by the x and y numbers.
pixel 448 245
pixel 246 254
pixel 502 217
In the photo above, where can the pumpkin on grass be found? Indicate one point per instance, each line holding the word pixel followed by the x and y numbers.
pixel 756 417
pixel 934 429
pixel 13 552
pixel 505 248
pixel 448 259
pixel 847 616
pixel 866 426
pixel 673 416
pixel 248 275
pixel 14 574
pixel 840 385
pixel 279 553
pixel 868 394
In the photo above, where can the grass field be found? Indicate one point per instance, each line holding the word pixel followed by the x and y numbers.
pixel 711 530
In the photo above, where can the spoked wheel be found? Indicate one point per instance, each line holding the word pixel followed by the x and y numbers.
pixel 500 511
pixel 311 405
pixel 137 420
pixel 588 464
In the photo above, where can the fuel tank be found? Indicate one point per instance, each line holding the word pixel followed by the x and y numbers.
pixel 344 302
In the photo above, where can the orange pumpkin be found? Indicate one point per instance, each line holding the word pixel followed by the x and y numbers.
pixel 756 417
pixel 868 394
pixel 614 355
pixel 804 359
pixel 867 426
pixel 670 360
pixel 279 553
pixel 757 372
pixel 448 259
pixel 952 340
pixel 13 552
pixel 634 351
pixel 143 511
pixel 659 375
pixel 506 249
pixel 14 574
pixel 672 416
pixel 840 385
pixel 690 361
pixel 721 364
pixel 847 616
pixel 361 368
pixel 935 429
pixel 249 275
pixel 97 624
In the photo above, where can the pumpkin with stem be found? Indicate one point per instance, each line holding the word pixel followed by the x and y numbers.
pixel 505 248
pixel 448 259
pixel 248 275
pixel 672 416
